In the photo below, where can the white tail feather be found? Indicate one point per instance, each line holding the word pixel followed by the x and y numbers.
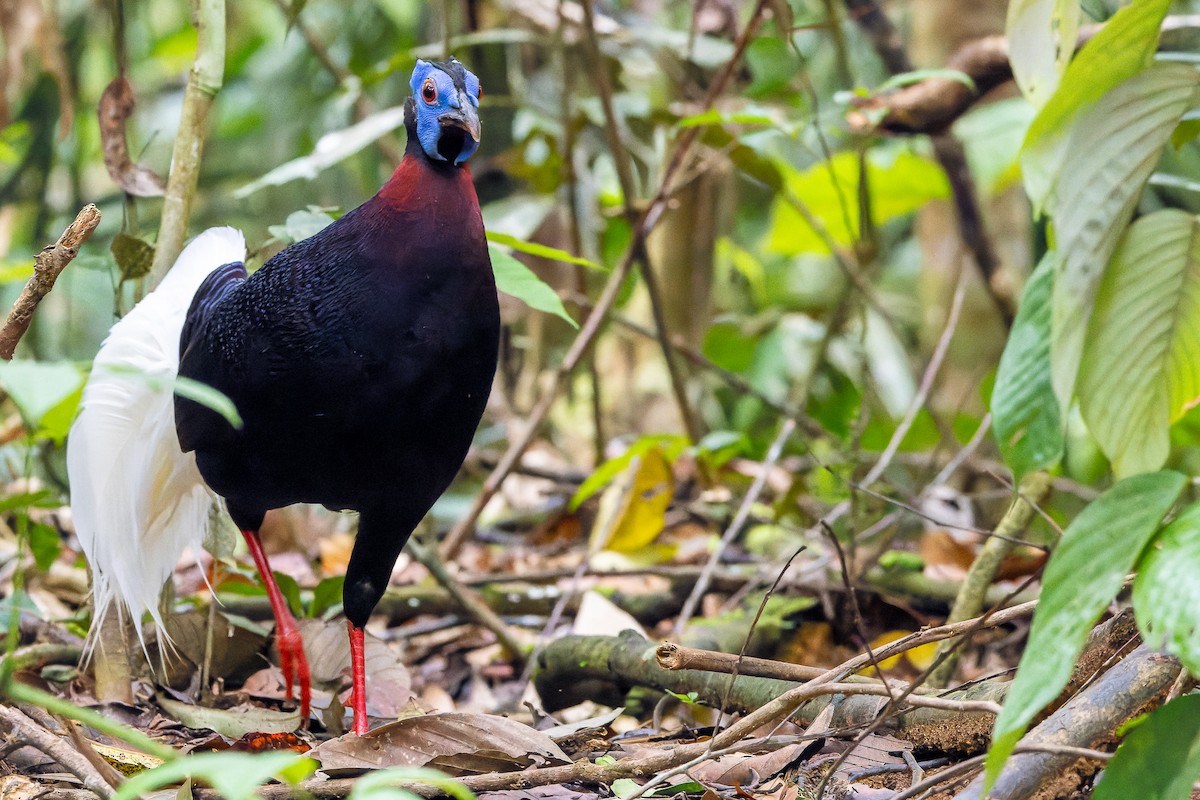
pixel 136 498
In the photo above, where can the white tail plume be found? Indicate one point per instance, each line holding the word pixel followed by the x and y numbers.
pixel 136 498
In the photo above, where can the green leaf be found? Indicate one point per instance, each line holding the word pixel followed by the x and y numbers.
pixel 518 280
pixel 330 149
pixel 193 390
pixel 1025 413
pixel 38 387
pixel 45 544
pixel 671 446
pixel 327 594
pixel 1083 575
pixel 1041 40
pixel 1160 758
pixel 290 591
pixel 133 256
pixel 1113 148
pixel 1145 328
pixel 1122 48
pixel 900 182
pixel 1166 594
pixel 992 135
pixel 625 787
pixel 13 270
pixel 903 79
pixel 716 117
pixel 301 224
pixel 234 775
pixel 56 422
pixel 540 250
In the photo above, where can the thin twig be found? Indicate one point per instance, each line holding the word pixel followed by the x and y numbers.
pixel 735 526
pixel 29 732
pixel 47 266
pixel 475 608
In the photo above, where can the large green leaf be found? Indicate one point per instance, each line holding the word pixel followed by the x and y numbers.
pixel 1166 594
pixel 1025 413
pixel 518 280
pixel 1083 575
pixel 1113 148
pixel 1122 48
pixel 1141 362
pixel 1041 40
pixel 900 183
pixel 1159 759
pixel 539 250
pixel 45 392
pixel 233 775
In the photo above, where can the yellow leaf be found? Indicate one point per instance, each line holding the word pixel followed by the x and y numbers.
pixel 634 506
pixel 126 762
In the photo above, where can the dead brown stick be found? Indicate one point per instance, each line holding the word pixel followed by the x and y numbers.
pixel 932 105
pixel 23 729
pixel 48 265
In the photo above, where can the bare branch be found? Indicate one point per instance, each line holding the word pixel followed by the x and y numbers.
pixel 48 265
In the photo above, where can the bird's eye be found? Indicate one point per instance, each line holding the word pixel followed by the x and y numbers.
pixel 479 94
pixel 429 91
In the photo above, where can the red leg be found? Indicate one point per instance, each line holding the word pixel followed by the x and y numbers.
pixel 358 668
pixel 287 636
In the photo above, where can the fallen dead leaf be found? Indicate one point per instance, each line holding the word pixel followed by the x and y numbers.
pixel 633 507
pixel 456 743
pixel 126 762
pixel 747 769
pixel 389 684
pixel 116 106
pixel 235 653
pixel 599 616
pixel 18 787
pixel 874 751
pixel 233 722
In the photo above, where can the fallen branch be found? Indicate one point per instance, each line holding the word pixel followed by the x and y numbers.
pixel 24 730
pixel 1089 720
pixel 932 105
pixel 48 265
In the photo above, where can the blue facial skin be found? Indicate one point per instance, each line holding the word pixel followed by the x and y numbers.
pixel 446 96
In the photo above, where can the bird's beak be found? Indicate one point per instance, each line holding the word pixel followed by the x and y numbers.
pixel 460 132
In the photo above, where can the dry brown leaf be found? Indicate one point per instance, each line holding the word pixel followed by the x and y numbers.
pixel 235 653
pixel 18 787
pixel 116 106
pixel 874 751
pixel 389 684
pixel 456 743
pixel 745 769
